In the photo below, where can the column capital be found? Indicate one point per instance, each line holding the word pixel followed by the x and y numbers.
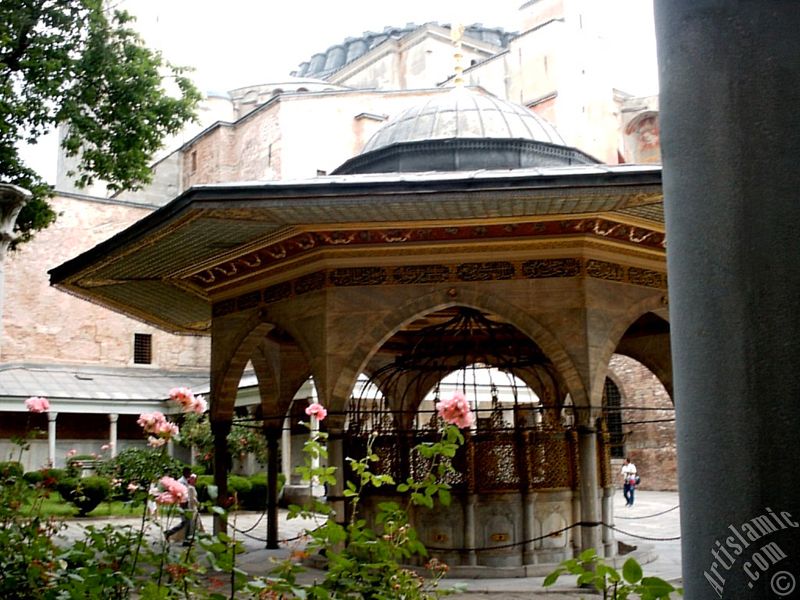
pixel 52 416
pixel 113 417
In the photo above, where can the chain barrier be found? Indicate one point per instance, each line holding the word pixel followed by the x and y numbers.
pixel 658 514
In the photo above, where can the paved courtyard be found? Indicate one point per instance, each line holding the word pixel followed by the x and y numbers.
pixel 655 517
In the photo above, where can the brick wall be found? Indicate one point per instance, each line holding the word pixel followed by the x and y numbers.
pixel 648 424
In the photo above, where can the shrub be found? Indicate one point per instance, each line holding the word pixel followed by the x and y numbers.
pixel 256 497
pixel 203 481
pixel 240 486
pixel 85 493
pixel 11 468
pixel 139 466
pixel 33 477
pixel 51 477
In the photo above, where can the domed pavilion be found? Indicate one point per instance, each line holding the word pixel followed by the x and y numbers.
pixel 465 237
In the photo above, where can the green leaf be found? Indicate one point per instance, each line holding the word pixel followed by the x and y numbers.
pixel 587 555
pixel 553 577
pixel 655 588
pixel 631 571
pixel 609 572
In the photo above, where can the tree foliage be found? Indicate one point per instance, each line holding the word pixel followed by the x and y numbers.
pixel 79 64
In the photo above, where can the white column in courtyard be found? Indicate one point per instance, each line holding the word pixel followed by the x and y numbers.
pixel 51 438
pixel 286 450
pixel 112 433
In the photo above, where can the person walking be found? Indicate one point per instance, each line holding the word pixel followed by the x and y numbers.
pixel 191 512
pixel 628 481
pixel 183 525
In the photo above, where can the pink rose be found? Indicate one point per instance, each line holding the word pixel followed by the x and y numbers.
pixel 37 404
pixel 199 406
pixel 156 423
pixel 149 421
pixel 456 411
pixel 316 410
pixel 173 488
pixel 182 395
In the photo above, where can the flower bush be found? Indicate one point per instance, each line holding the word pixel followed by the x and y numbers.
pixel 592 570
pixel 363 562
pixel 123 562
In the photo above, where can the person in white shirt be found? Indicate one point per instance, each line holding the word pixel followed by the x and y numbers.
pixel 628 481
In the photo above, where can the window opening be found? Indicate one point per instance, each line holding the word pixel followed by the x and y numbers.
pixel 613 411
pixel 142 349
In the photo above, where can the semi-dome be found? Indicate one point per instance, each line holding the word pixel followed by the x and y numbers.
pixel 463 129
pixel 323 64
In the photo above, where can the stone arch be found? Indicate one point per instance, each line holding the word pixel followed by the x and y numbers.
pixel 239 338
pixel 652 304
pixel 372 341
pixel 280 374
pixel 231 352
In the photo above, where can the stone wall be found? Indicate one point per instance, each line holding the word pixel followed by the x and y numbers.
pixel 648 422
pixel 43 325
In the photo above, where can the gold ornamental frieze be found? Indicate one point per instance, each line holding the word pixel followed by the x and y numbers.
pixel 472 272
pixel 260 260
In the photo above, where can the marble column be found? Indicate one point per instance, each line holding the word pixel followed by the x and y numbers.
pixel 286 450
pixel 589 489
pixel 609 540
pixel 113 418
pixel 335 492
pixel 51 438
pixel 730 133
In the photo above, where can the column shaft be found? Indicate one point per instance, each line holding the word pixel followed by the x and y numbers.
pixel 51 438
pixel 273 436
pixel 113 418
pixel 730 88
pixel 590 510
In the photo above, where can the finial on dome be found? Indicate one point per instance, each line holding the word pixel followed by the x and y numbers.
pixel 456 34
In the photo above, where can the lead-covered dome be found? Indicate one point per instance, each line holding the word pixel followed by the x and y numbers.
pixel 462 129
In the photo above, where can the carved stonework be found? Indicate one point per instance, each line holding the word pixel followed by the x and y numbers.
pixel 647 277
pixel 278 292
pixel 359 276
pixel 601 269
pixel 421 274
pixel 426 274
pixel 489 271
pixel 551 267
pixel 273 255
pixel 309 283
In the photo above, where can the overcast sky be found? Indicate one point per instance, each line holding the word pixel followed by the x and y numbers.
pixel 233 43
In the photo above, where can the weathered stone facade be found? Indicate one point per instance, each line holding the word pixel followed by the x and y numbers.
pixel 43 325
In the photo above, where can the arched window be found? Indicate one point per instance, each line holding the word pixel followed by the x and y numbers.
pixel 612 407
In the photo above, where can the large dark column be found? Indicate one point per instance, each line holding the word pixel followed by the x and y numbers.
pixel 730 122
pixel 273 435
pixel 220 429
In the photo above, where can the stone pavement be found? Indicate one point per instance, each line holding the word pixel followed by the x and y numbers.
pixel 654 516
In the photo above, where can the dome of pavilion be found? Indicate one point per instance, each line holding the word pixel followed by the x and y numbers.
pixel 464 129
